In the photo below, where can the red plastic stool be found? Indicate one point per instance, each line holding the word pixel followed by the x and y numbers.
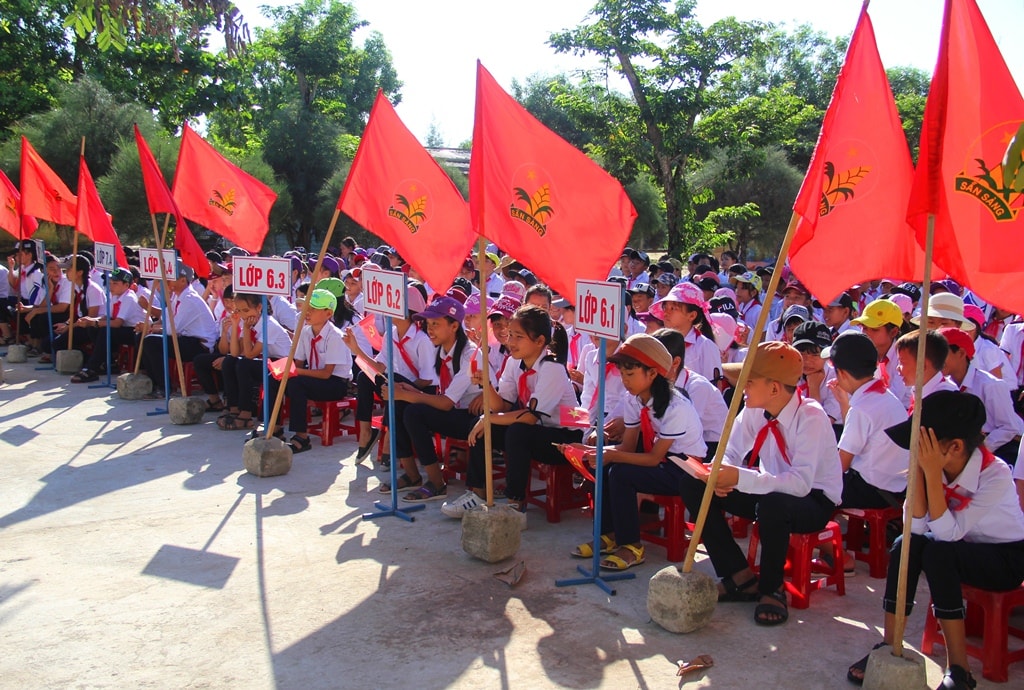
pixel 875 520
pixel 673 526
pixel 558 492
pixel 988 617
pixel 740 526
pixel 801 564
pixel 191 382
pixel 126 358
pixel 330 424
pixel 454 470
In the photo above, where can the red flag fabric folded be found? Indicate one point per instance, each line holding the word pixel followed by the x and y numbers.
pixel 854 197
pixel 974 108
pixel 575 457
pixel 12 219
pixel 276 367
pixel 573 417
pixel 92 220
pixel 161 201
pixel 539 198
pixel 43 194
pixel 219 195
pixel 397 191
pixel 369 326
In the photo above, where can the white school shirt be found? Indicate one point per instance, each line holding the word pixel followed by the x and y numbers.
pixel 129 310
pixel 461 390
pixel 284 312
pixel 810 447
pixel 935 384
pixel 891 362
pixel 828 400
pixel 708 402
pixel 680 423
pixel 634 326
pixel 873 409
pixel 419 351
pixel 1001 423
pixel 749 311
pixel 330 349
pixel 33 291
pixel 613 388
pixel 62 293
pixel 494 284
pixel 357 304
pixel 985 509
pixel 94 297
pixel 702 355
pixel 549 389
pixel 989 357
pixel 192 317
pixel 1012 343
pixel 278 343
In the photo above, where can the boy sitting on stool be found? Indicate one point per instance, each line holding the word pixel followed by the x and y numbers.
pixel 781 467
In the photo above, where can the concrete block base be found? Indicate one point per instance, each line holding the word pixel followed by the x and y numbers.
pixel 69 361
pixel 888 672
pixel 681 602
pixel 17 354
pixel 491 534
pixel 134 386
pixel 186 410
pixel 266 457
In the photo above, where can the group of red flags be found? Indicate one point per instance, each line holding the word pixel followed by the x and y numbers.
pixel 863 208
pixel 208 189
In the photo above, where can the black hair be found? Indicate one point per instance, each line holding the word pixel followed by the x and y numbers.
pixel 936 348
pixel 461 339
pixel 865 371
pixel 701 323
pixel 537 324
pixel 228 292
pixel 662 389
pixel 344 313
pixel 674 342
pixel 302 289
pixel 559 346
pixel 248 298
pixel 539 289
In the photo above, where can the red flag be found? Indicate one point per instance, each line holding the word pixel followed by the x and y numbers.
pixel 539 198
pixel 974 108
pixel 858 183
pixel 219 195
pixel 161 201
pixel 43 194
pixel 369 326
pixel 92 220
pixel 12 219
pixel 399 193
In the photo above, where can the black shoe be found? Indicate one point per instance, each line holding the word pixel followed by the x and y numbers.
pixel 957 678
pixel 365 450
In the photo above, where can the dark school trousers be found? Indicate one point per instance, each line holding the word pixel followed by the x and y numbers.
pixel 122 335
pixel 423 421
pixel 153 354
pixel 243 379
pixel 778 515
pixel 622 483
pixel 365 391
pixel 949 564
pixel 81 341
pixel 521 443
pixel 1008 451
pixel 300 390
pixel 203 366
pixel 857 493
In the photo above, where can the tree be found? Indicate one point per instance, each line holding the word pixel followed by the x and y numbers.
pixel 435 140
pixel 671 64
pixel 910 89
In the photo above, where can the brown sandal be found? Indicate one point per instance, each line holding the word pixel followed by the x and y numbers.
pixel 233 423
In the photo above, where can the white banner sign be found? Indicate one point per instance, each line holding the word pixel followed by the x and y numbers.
pixel 384 292
pixel 257 275
pixel 599 307
pixel 106 258
pixel 149 263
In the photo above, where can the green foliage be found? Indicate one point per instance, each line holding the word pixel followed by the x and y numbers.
pixel 456 176
pixel 649 228
pixel 435 140
pixel 910 89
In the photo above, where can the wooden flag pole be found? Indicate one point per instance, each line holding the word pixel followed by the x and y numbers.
pixel 915 435
pixel 167 305
pixel 485 368
pixel 149 302
pixel 737 395
pixel 298 329
pixel 74 272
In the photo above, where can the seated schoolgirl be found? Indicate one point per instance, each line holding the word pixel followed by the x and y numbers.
pixel 323 367
pixel 242 367
pixel 967 527
pixel 662 429
pixel 526 410
pixel 683 309
pixel 206 363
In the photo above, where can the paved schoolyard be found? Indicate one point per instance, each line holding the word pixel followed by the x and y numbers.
pixel 134 553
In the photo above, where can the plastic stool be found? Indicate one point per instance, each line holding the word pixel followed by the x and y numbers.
pixel 875 520
pixel 988 617
pixel 558 491
pixel 330 423
pixel 673 525
pixel 801 564
pixel 125 360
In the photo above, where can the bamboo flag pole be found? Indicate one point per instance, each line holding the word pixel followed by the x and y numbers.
pixel 167 305
pixel 149 302
pixel 74 273
pixel 298 329
pixel 734 407
pixel 485 368
pixel 915 435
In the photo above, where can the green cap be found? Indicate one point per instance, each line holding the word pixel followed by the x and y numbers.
pixel 335 286
pixel 323 299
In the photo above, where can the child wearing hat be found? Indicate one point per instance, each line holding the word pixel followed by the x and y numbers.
pixel 967 525
pixel 683 309
pixel 748 295
pixel 1003 428
pixel 123 313
pixel 987 354
pixel 812 339
pixel 781 467
pixel 882 322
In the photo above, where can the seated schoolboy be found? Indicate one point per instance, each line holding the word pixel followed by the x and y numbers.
pixel 87 301
pixel 935 350
pixel 123 314
pixel 967 526
pixel 780 467
pixel 811 338
pixel 882 322
pixel 205 364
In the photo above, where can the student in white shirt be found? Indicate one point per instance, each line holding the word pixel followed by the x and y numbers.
pixel 935 350
pixel 36 321
pixel 987 355
pixel 683 309
pixel 662 429
pixel 882 322
pixel 1003 428
pixel 123 314
pixel 837 314
pixel 781 467
pixel 87 299
pixel 323 368
pixel 748 296
pixel 967 527
pixel 811 338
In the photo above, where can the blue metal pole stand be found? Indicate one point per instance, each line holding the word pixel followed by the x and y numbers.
pixel 266 371
pixel 593 576
pixel 109 307
pixel 49 311
pixel 167 370
pixel 383 508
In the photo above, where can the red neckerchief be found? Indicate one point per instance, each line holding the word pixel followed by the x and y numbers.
pixel 878 386
pixel 406 358
pixel 957 501
pixel 609 370
pixel 574 348
pixel 646 429
pixel 883 371
pixel 771 425
pixel 314 356
pixel 117 308
pixel 913 402
pixel 445 374
pixel 77 300
pixel 524 389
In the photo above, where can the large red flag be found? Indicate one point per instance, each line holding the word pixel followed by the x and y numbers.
pixel 217 194
pixel 161 201
pixel 43 194
pixel 398 192
pixel 974 108
pixel 12 219
pixel 92 220
pixel 853 200
pixel 539 198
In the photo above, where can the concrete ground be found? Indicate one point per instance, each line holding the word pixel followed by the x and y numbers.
pixel 134 553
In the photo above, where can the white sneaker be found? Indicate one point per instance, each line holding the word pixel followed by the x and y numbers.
pixel 467 501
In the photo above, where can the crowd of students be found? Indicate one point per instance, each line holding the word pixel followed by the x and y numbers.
pixel 825 422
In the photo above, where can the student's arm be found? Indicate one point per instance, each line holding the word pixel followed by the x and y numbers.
pixel 349 338
pixel 630 437
pixel 250 347
pixel 410 394
pixel 845 459
pixel 325 373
